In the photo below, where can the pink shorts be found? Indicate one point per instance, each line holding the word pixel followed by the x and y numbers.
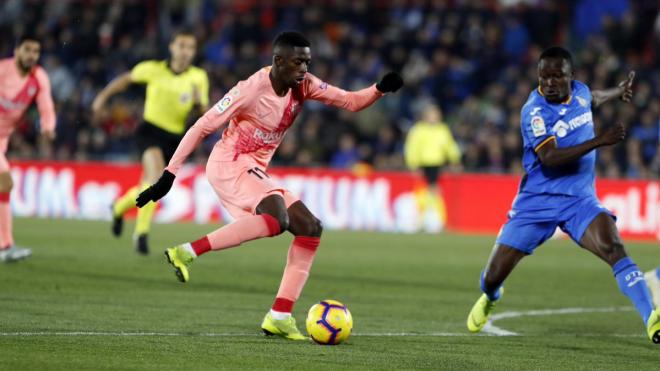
pixel 4 164
pixel 242 184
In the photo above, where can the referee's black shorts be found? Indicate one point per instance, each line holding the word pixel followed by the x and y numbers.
pixel 431 174
pixel 148 135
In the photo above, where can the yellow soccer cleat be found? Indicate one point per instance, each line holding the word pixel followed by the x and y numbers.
pixel 653 326
pixel 654 286
pixel 285 328
pixel 180 259
pixel 480 313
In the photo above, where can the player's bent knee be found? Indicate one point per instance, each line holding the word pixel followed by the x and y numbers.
pixel 316 228
pixel 283 221
pixel 312 227
pixel 307 227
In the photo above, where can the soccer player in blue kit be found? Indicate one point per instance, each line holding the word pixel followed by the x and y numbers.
pixel 558 188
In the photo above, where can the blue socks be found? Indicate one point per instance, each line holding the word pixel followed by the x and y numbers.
pixel 657 272
pixel 632 284
pixel 492 296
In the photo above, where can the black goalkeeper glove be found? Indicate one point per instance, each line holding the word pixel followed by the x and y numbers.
pixel 391 82
pixel 157 190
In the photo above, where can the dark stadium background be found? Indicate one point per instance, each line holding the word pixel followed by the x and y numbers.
pixel 476 59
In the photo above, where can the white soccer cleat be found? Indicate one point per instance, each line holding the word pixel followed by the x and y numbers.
pixel 14 254
pixel 654 286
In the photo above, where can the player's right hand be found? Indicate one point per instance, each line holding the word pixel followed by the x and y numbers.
pixel 157 190
pixel 391 82
pixel 613 135
pixel 626 87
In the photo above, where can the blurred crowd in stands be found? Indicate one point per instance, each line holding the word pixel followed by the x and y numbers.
pixel 475 59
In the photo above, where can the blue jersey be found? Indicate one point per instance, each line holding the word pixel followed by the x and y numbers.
pixel 570 124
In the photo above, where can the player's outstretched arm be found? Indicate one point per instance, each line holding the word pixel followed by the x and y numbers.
pixel 116 86
pixel 45 105
pixel 623 91
pixel 351 100
pixel 552 156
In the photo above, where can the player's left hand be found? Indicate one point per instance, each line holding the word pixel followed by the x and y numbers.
pixel 391 82
pixel 157 190
pixel 626 85
pixel 612 135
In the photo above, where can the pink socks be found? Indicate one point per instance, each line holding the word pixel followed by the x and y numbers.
pixel 233 234
pixel 299 259
pixel 298 263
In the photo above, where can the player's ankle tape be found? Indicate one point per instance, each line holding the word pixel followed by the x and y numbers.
pixel 310 243
pixel 283 305
pixel 272 224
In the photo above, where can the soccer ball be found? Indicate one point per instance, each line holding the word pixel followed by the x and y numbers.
pixel 329 322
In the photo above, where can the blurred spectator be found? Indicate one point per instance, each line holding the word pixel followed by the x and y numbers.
pixel 347 154
pixel 647 135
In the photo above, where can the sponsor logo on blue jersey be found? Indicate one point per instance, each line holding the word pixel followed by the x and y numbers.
pixel 566 124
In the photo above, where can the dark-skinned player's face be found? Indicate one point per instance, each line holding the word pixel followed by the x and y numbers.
pixel 293 64
pixel 27 54
pixel 555 76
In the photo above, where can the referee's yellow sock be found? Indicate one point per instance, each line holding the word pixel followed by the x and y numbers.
pixel 144 216
pixel 126 202
pixel 439 206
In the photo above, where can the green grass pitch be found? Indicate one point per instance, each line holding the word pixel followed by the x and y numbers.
pixel 86 301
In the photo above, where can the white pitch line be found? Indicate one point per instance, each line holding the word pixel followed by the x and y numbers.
pixel 412 334
pixel 491 329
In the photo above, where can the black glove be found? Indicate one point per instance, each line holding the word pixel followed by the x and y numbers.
pixel 391 82
pixel 156 191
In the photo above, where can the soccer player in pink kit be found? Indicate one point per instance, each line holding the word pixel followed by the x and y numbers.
pixel 259 111
pixel 22 82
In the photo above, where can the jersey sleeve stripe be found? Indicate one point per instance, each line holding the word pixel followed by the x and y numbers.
pixel 536 149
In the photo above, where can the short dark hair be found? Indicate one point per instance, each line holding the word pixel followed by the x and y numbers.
pixel 291 39
pixel 26 36
pixel 184 31
pixel 557 52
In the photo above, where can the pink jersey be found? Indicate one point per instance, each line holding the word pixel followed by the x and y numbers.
pixel 259 118
pixel 18 92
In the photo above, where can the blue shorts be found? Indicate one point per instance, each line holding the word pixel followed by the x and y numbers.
pixel 534 218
